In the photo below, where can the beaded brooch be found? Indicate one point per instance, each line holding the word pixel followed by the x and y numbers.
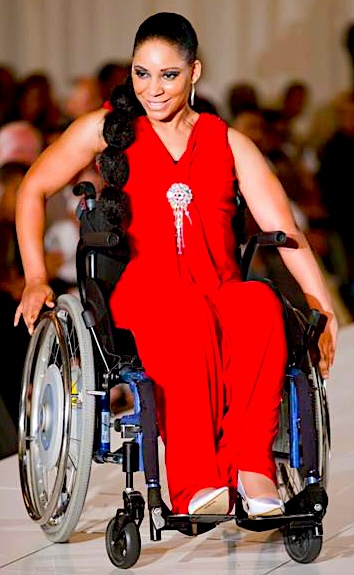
pixel 179 197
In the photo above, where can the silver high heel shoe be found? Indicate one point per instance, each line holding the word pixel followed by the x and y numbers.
pixel 210 501
pixel 260 506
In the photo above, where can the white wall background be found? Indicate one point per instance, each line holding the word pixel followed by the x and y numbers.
pixel 266 42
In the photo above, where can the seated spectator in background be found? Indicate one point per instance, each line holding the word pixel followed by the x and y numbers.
pixel 20 142
pixel 14 341
pixel 8 85
pixel 293 106
pixel 295 98
pixel 336 181
pixel 241 95
pixel 110 75
pixel 84 96
pixel 249 120
pixel 36 104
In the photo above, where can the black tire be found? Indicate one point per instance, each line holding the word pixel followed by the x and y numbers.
pixel 123 543
pixel 302 545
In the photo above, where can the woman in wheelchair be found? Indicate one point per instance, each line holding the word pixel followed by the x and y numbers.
pixel 213 344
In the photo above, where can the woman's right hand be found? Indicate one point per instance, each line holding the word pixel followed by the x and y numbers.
pixel 34 297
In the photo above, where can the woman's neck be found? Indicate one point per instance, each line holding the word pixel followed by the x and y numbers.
pixel 183 120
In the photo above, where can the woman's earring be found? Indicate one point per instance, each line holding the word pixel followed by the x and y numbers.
pixel 192 95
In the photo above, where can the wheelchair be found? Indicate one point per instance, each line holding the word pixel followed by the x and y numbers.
pixel 74 358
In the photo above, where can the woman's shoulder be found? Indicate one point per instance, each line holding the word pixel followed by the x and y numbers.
pixel 88 127
pixel 240 141
pixel 93 119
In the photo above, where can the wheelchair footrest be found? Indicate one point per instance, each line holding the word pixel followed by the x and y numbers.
pixel 260 524
pixel 193 525
pixel 173 520
pixel 197 524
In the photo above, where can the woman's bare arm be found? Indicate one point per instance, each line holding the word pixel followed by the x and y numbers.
pixel 53 170
pixel 269 205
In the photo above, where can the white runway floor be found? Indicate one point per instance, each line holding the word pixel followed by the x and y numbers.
pixel 24 550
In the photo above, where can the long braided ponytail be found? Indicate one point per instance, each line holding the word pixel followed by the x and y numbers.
pixel 118 132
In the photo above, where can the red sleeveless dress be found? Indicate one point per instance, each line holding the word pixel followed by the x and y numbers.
pixel 214 345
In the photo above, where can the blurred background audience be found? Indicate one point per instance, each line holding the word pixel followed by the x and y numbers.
pixel 84 96
pixel 8 87
pixel 20 141
pixel 14 341
pixel 111 74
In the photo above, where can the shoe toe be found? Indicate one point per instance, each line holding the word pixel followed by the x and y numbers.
pixel 210 501
pixel 263 507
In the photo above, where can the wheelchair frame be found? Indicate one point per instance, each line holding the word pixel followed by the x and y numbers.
pixel 65 422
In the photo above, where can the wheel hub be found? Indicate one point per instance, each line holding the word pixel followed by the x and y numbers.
pixel 49 417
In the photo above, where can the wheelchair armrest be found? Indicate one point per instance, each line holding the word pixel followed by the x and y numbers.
pixel 100 240
pixel 94 243
pixel 277 238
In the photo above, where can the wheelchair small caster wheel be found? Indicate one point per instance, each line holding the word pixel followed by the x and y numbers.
pixel 302 545
pixel 123 543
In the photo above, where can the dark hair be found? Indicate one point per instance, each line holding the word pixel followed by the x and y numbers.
pixel 118 130
pixel 174 29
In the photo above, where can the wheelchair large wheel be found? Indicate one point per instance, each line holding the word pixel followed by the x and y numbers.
pixel 57 419
pixel 292 480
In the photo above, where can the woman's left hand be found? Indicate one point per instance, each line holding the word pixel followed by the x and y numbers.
pixel 327 345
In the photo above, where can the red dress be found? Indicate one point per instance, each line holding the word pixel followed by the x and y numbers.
pixel 214 345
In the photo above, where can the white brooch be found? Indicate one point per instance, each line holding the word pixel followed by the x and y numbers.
pixel 179 197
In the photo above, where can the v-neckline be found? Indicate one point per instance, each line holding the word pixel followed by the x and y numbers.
pixel 189 140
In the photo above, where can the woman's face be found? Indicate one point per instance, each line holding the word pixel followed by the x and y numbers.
pixel 162 78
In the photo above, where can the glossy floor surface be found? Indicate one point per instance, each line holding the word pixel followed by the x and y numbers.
pixel 226 549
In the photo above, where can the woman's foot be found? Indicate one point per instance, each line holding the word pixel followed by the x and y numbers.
pixel 260 494
pixel 210 501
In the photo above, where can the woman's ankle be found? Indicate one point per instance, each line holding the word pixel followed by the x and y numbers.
pixel 258 485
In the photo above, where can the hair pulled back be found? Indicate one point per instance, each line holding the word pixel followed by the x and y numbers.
pixel 174 29
pixel 118 129
pixel 118 133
